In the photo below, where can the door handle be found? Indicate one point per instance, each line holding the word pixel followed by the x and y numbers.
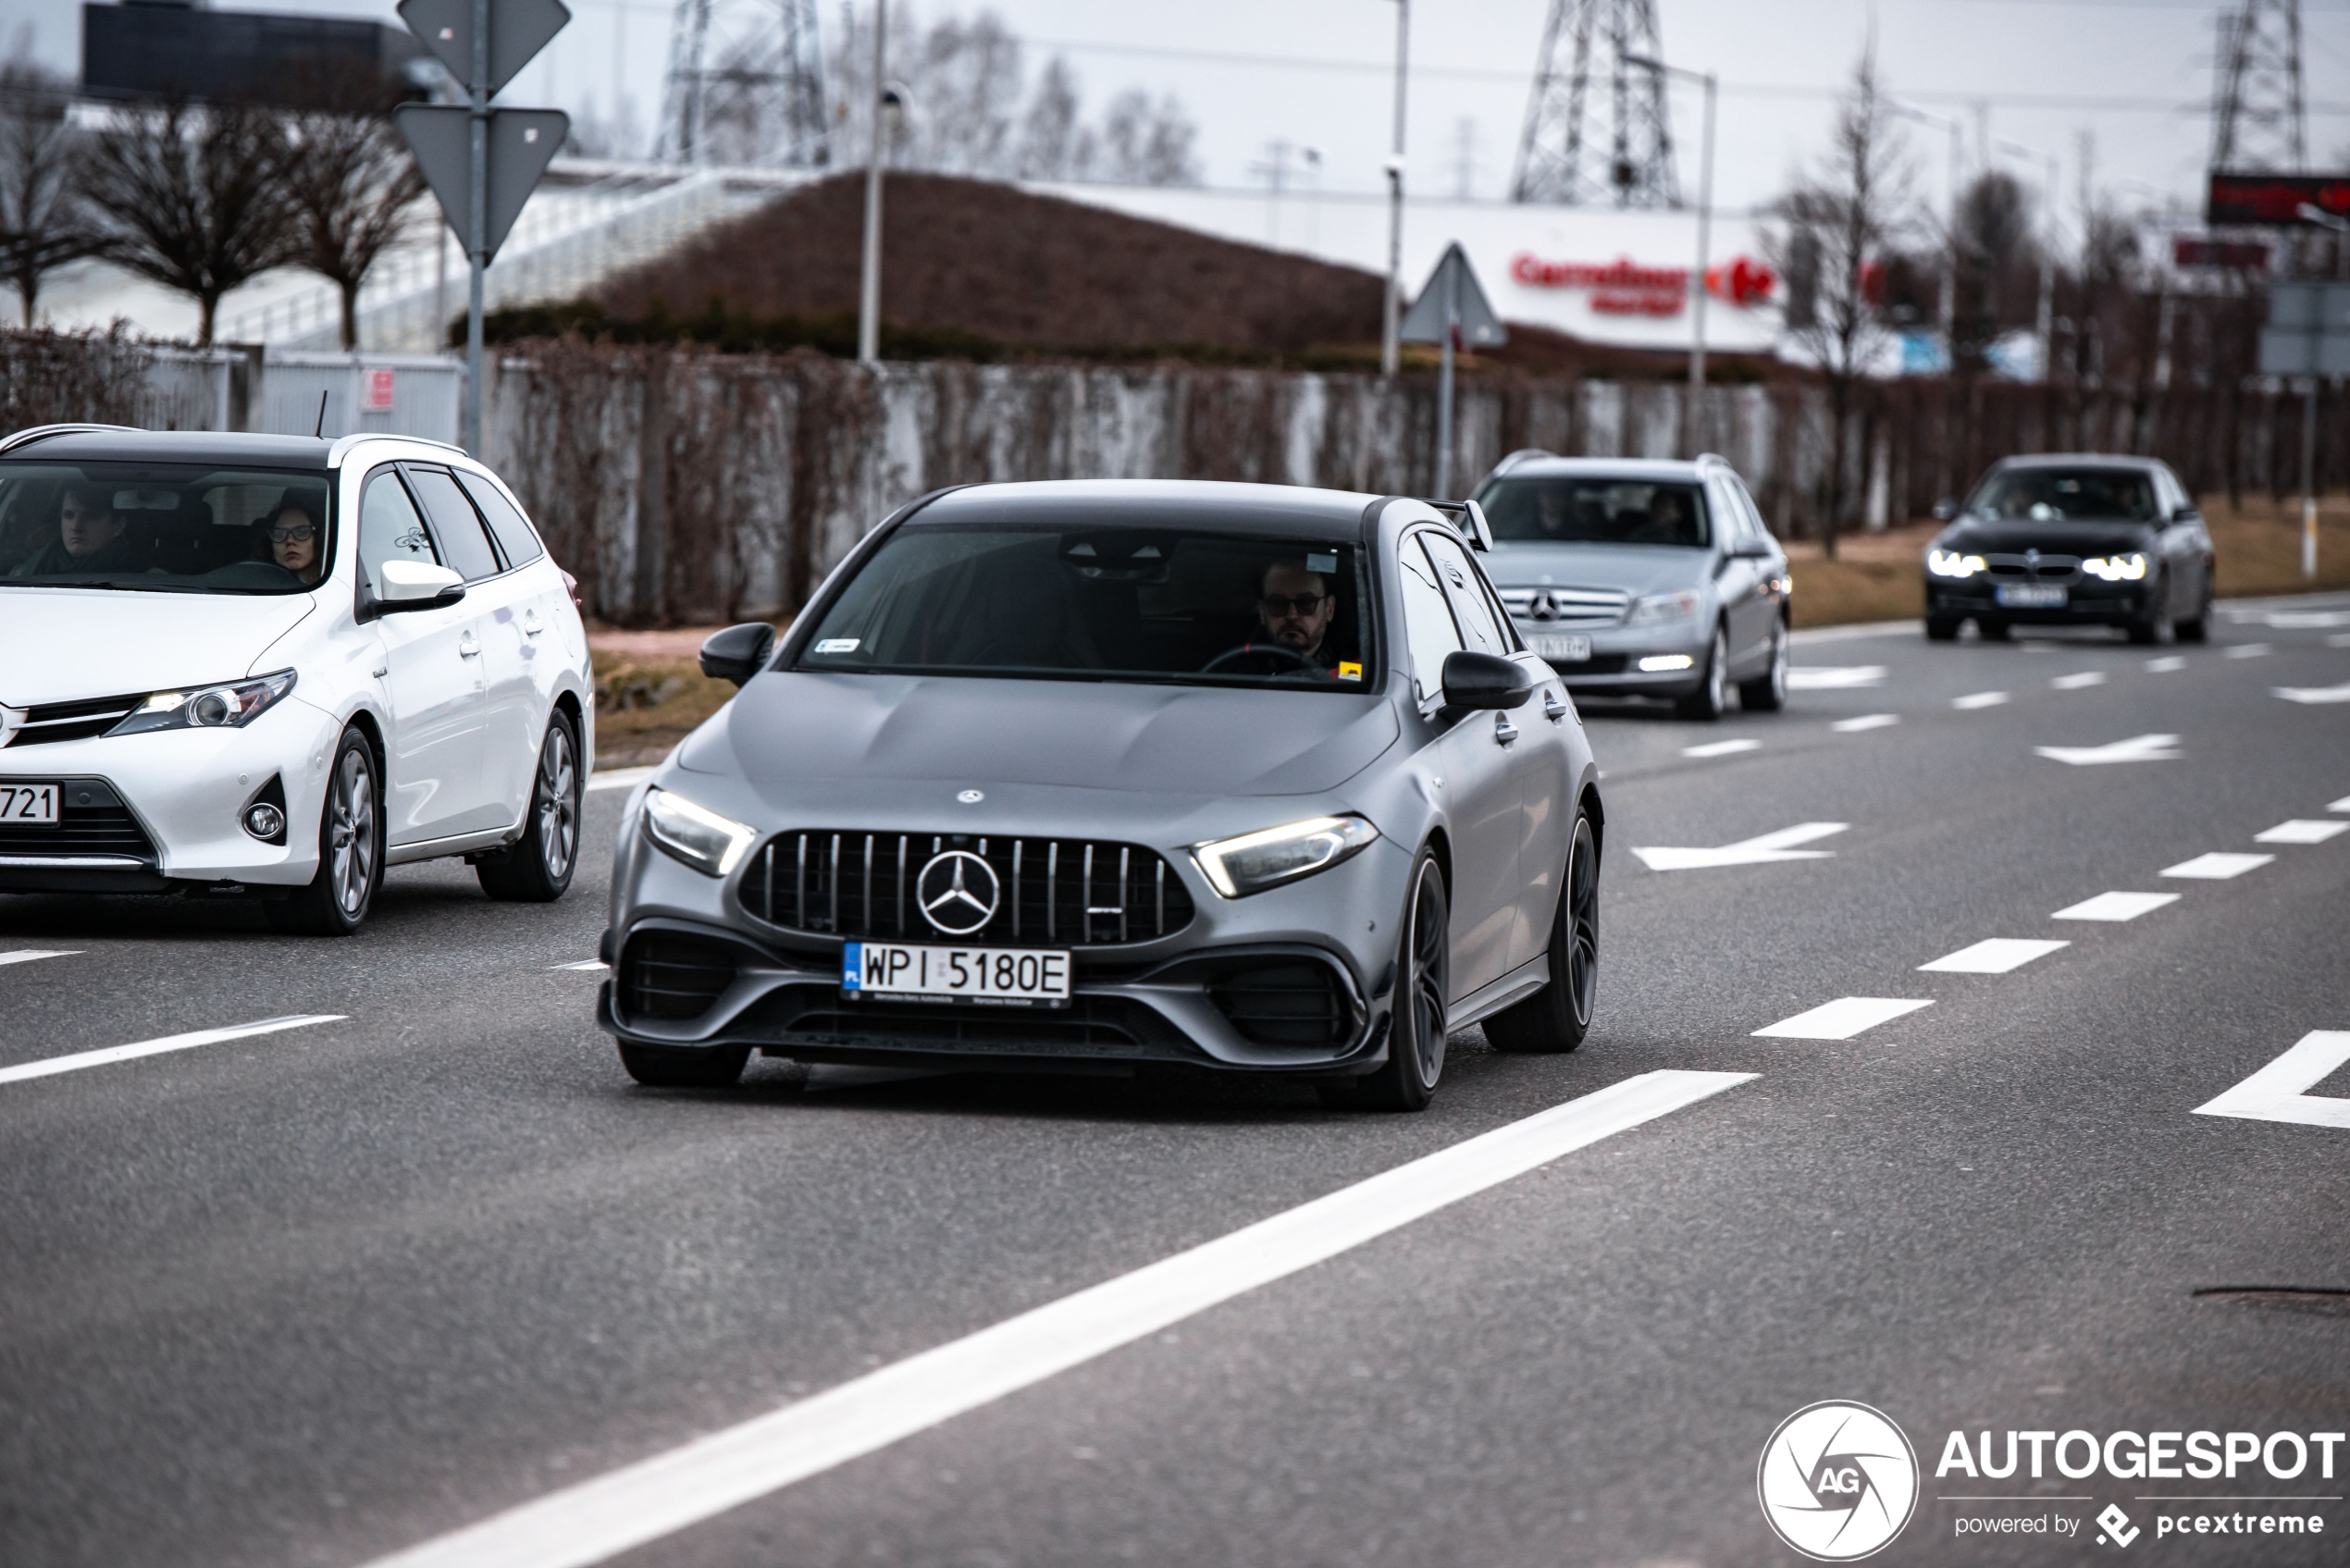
pixel 530 623
pixel 1553 709
pixel 468 646
pixel 381 671
pixel 1503 731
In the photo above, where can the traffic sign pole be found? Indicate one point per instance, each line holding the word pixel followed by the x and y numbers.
pixel 478 215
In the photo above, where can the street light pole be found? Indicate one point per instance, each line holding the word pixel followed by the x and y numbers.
pixel 1390 346
pixel 2047 323
pixel 1690 421
pixel 1948 308
pixel 869 281
pixel 478 218
pixel 2341 226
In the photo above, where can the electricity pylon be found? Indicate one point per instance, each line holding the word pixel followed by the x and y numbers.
pixel 1564 158
pixel 2258 122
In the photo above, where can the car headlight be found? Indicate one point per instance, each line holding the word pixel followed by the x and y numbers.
pixel 1950 563
pixel 1255 861
pixel 207 707
pixel 1657 607
pixel 710 844
pixel 2126 568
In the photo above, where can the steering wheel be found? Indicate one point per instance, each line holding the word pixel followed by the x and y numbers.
pixel 1249 650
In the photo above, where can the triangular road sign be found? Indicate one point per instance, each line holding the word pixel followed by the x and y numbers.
pixel 1453 295
pixel 518 29
pixel 521 141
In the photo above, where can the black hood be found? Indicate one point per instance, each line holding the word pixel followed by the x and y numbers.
pixel 2012 536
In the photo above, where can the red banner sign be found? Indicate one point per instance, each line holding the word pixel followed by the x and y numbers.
pixel 1625 287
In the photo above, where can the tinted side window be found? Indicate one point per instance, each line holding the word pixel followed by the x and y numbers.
pixel 455 523
pixel 1428 632
pixel 1479 632
pixel 389 529
pixel 514 535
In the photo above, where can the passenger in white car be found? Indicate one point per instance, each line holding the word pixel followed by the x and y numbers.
pixel 89 538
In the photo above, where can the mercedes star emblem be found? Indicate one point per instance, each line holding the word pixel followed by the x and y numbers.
pixel 957 892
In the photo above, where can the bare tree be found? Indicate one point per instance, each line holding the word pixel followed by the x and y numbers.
pixel 1837 225
pixel 350 179
pixel 1054 141
pixel 44 222
pixel 1148 143
pixel 194 198
pixel 967 92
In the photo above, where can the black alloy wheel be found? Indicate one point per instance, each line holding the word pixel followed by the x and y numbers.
pixel 1942 628
pixel 536 868
pixel 1416 1032
pixel 1989 630
pixel 1556 1018
pixel 660 1067
pixel 2155 626
pixel 1713 694
pixel 1767 692
pixel 351 850
pixel 2199 628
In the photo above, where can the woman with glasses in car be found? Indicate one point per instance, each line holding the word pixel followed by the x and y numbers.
pixel 293 537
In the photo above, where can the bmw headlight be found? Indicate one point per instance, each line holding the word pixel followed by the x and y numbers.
pixel 2126 568
pixel 207 707
pixel 1659 607
pixel 710 844
pixel 1255 861
pixel 1950 563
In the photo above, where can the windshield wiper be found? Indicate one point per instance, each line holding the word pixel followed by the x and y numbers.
pixel 123 587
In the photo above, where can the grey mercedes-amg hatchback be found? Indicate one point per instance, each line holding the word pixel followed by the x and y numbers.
pixel 1093 775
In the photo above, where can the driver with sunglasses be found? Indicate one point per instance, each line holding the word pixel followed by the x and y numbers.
pixel 293 537
pixel 1295 607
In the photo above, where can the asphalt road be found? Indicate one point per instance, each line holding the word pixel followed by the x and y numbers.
pixel 323 1294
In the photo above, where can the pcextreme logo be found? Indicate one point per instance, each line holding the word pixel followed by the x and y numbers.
pixel 1837 1481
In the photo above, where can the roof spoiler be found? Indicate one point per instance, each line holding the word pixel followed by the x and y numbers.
pixel 1469 518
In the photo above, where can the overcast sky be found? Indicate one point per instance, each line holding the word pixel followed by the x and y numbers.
pixel 2133 74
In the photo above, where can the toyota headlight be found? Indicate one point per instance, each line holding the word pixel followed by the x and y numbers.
pixel 710 844
pixel 1658 607
pixel 207 707
pixel 1255 861
pixel 1950 563
pixel 2126 568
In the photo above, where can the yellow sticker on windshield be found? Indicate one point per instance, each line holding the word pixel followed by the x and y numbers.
pixel 1349 672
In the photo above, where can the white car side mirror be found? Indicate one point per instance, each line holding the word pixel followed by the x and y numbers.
pixel 414 584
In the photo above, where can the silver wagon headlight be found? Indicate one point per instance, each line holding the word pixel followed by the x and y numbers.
pixel 1255 861
pixel 710 844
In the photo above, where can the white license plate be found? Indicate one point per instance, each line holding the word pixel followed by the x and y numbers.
pixel 2031 595
pixel 29 805
pixel 1561 650
pixel 1002 976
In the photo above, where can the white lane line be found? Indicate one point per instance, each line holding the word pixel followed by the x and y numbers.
pixel 1835 677
pixel 585 966
pixel 2137 749
pixel 1722 748
pixel 2306 620
pixel 2115 906
pixel 1978 700
pixel 1842 1018
pixel 2076 681
pixel 1996 954
pixel 2217 866
pixel 1763 850
pixel 2301 830
pixel 2280 1091
pixel 2339 639
pixel 2341 805
pixel 2166 664
pixel 2314 694
pixel 618 778
pixel 27 955
pixel 156 1047
pixel 644 1501
pixel 1865 722
pixel 2250 650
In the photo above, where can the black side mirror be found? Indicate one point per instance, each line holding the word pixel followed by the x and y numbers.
pixel 1485 681
pixel 1944 509
pixel 737 653
pixel 2186 514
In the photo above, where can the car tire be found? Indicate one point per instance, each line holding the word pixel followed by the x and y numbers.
pixel 1556 1018
pixel 1942 628
pixel 1990 631
pixel 1713 694
pixel 351 850
pixel 2154 627
pixel 1416 1029
pixel 537 867
pixel 1767 692
pixel 2198 629
pixel 658 1067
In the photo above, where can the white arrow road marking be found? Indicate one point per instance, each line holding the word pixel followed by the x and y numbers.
pixel 1835 677
pixel 1979 699
pixel 2137 749
pixel 1722 748
pixel 644 1501
pixel 2300 830
pixel 2075 682
pixel 1865 722
pixel 1996 954
pixel 2217 866
pixel 2314 694
pixel 2166 664
pixel 156 1047
pixel 2250 650
pixel 2280 1091
pixel 618 778
pixel 2115 906
pixel 1842 1018
pixel 27 955
pixel 1771 846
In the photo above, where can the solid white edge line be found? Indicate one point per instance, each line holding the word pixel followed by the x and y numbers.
pixel 99 1058
pixel 618 778
pixel 626 1508
pixel 27 955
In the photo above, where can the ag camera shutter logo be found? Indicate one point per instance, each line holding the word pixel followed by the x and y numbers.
pixel 1837 1481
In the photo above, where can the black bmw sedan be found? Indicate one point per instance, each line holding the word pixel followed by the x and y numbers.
pixel 2068 539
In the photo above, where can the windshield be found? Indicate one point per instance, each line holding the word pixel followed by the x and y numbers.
pixel 2068 495
pixel 1594 509
pixel 1108 604
pixel 163 527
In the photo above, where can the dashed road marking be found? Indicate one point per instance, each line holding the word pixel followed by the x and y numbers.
pixel 1865 722
pixel 2341 805
pixel 1842 1018
pixel 27 955
pixel 618 778
pixel 2250 650
pixel 2076 681
pixel 2306 620
pixel 654 1497
pixel 2217 866
pixel 1763 850
pixel 2301 830
pixel 2137 749
pixel 110 1053
pixel 1978 700
pixel 2339 639
pixel 2166 664
pixel 2314 694
pixel 2115 906
pixel 1835 677
pixel 1996 954
pixel 2280 1091
pixel 1722 748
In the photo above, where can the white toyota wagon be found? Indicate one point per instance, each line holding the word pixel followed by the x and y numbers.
pixel 269 667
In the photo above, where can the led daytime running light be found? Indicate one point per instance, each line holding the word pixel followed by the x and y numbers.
pixel 1253 862
pixel 2127 568
pixel 710 844
pixel 1950 563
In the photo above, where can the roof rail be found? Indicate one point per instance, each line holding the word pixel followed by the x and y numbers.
pixel 42 432
pixel 1523 455
pixel 1469 517
pixel 344 443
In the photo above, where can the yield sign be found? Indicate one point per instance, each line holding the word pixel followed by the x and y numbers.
pixel 2137 749
pixel 1452 295
pixel 1771 846
pixel 518 29
pixel 521 142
